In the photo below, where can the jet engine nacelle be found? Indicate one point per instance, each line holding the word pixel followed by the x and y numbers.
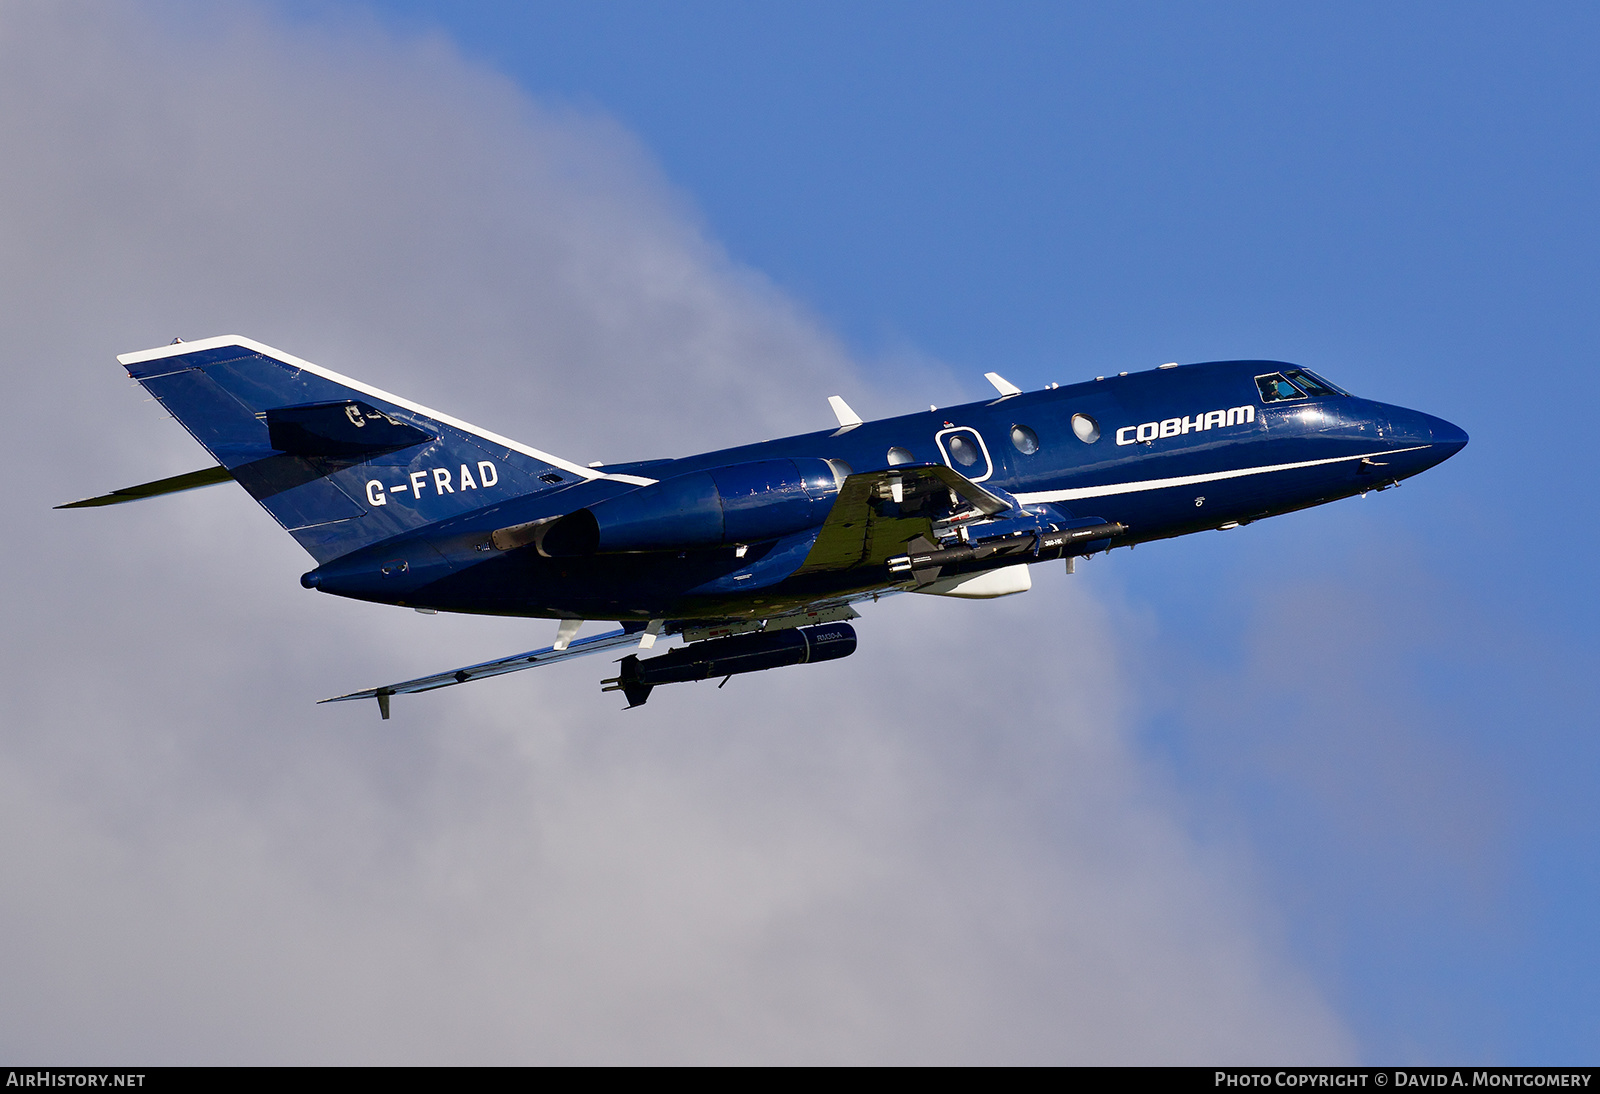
pixel 739 503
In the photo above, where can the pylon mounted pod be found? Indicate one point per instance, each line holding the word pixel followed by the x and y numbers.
pixel 732 656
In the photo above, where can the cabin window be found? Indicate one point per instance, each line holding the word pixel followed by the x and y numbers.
pixel 1276 389
pixel 963 450
pixel 898 456
pixel 1086 428
pixel 1024 439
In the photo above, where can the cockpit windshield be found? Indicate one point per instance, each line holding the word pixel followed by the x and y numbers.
pixel 1312 384
pixel 1275 389
pixel 1295 383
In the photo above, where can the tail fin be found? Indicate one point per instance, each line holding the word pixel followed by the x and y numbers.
pixel 339 464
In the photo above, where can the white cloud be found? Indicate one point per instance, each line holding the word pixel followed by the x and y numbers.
pixel 943 848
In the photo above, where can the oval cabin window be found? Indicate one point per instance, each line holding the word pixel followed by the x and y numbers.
pixel 962 450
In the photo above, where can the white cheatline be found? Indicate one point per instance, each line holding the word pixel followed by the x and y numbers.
pixel 181 348
pixel 1194 480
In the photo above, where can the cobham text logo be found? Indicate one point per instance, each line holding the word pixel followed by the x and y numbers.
pixel 1177 427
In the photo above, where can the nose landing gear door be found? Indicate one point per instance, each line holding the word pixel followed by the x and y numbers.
pixel 963 450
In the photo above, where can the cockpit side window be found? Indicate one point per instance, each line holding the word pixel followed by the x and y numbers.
pixel 1276 389
pixel 1313 385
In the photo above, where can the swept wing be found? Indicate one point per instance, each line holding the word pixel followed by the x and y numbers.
pixel 598 643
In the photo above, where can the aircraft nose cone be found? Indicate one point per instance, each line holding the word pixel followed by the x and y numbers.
pixel 1420 441
pixel 1447 435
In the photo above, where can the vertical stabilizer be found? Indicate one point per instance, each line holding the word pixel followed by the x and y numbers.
pixel 339 464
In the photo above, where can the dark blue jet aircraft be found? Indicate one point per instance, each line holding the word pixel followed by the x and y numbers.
pixel 754 556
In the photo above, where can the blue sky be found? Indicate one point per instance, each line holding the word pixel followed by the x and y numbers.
pixel 1402 197
pixel 1317 788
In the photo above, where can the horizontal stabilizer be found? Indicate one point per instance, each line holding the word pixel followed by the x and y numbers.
pixel 599 643
pixel 211 476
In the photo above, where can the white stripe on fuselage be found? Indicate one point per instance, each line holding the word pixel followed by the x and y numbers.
pixel 1115 488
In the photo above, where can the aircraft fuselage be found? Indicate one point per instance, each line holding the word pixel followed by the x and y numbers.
pixel 1162 453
